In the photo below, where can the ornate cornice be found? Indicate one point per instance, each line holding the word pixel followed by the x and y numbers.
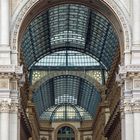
pixel 129 71
pixel 7 71
pixel 11 69
pixel 130 75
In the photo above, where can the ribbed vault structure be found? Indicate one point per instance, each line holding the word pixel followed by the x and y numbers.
pixel 70 27
pixel 68 37
pixel 67 89
pixel 66 112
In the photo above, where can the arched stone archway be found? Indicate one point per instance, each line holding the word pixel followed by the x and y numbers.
pixel 74 73
pixel 69 125
pixel 114 10
pixel 118 21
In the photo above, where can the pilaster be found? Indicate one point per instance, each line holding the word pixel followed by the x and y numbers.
pixel 10 102
pixel 136 23
pixel 130 101
pixel 4 32
pixel 7 121
pixel 135 32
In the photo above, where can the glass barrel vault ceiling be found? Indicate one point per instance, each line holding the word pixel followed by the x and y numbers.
pixel 66 89
pixel 68 59
pixel 68 36
pixel 66 112
pixel 70 27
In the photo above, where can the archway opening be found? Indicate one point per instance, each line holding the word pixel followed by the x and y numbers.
pixel 71 38
pixel 65 133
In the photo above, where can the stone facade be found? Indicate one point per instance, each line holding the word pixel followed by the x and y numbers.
pixel 118 116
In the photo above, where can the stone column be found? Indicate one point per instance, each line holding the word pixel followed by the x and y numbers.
pixel 4 33
pixel 129 125
pixel 127 118
pixel 136 106
pixel 4 26
pixel 131 101
pixel 122 126
pixel 4 120
pixel 14 121
pixel 9 120
pixel 136 23
pixel 9 102
pixel 135 32
pixel 136 111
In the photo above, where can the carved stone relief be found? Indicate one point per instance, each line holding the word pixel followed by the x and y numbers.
pixel 6 105
pixel 136 106
pixel 128 84
pixel 136 83
pixel 4 83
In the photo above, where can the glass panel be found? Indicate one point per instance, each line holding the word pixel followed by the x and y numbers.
pixel 66 89
pixel 66 112
pixel 67 58
pixel 69 27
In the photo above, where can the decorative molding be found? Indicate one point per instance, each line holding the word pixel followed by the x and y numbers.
pixel 136 106
pixel 14 108
pixel 69 125
pixel 127 107
pixel 117 8
pixel 11 69
pixel 50 75
pixel 24 10
pixel 9 72
pixel 7 105
pixel 130 106
pixel 129 74
pixel 129 68
pixel 29 4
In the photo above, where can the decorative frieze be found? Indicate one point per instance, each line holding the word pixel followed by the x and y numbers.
pixel 129 76
pixel 129 69
pixel 11 69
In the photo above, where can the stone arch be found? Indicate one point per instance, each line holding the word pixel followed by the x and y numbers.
pixel 69 125
pixel 115 8
pixel 98 86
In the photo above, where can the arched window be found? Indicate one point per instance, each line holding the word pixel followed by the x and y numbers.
pixel 65 133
